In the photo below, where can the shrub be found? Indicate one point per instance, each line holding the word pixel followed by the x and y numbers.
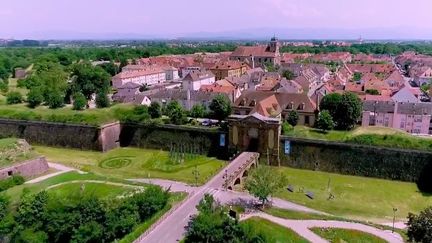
pixel 197 111
pixel 35 97
pixel 79 101
pixel 324 121
pixel 11 182
pixel 155 110
pixel 55 99
pixel 14 98
pixel 293 118
pixel 102 100
pixel 419 226
pixel 286 128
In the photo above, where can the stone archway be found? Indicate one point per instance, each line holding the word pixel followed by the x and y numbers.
pixel 245 173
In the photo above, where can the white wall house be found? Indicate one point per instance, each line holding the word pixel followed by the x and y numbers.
pixel 194 80
pixel 148 77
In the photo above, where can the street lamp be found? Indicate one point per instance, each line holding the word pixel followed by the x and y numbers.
pixel 225 177
pixel 394 218
pixel 196 174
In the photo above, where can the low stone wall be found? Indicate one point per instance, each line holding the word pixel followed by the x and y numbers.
pixel 165 137
pixel 63 135
pixel 351 159
pixel 27 168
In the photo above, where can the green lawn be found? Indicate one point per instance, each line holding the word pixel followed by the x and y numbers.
pixel 100 190
pixel 359 198
pixel 274 232
pixel 16 192
pixel 290 214
pixel 132 163
pixel 13 87
pixel 64 115
pixel 374 136
pixel 335 235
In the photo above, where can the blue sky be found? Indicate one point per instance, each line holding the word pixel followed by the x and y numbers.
pixel 170 18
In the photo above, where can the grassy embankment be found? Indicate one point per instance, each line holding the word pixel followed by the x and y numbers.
pixel 130 163
pixel 373 136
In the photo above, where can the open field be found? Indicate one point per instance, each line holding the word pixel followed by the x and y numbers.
pixel 344 235
pixel 63 115
pixel 132 163
pixel 274 232
pixel 375 136
pixel 12 151
pixel 355 197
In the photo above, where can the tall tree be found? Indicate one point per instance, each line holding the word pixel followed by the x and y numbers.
pixel 220 107
pixel 263 182
pixel 420 226
pixel 293 118
pixel 324 121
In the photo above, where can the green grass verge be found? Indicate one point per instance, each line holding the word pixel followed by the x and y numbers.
pixel 140 229
pixel 93 117
pixel 336 235
pixel 16 192
pixel 355 197
pixel 274 232
pixel 131 163
pixel 99 190
pixel 291 214
pixel 373 136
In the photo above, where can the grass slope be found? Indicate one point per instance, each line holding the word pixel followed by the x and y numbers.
pixel 13 151
pixel 63 115
pixel 335 235
pixel 100 190
pixel 274 232
pixel 355 197
pixel 374 136
pixel 130 163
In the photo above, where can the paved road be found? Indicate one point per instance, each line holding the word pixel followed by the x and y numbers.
pixel 173 227
pixel 302 227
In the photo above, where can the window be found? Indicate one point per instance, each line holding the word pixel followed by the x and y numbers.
pixel 10 173
pixel 301 107
pixel 253 103
pixel 290 106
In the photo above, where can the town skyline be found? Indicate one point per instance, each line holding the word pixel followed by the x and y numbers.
pixel 255 19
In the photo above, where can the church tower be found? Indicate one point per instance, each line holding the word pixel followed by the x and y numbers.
pixel 274 45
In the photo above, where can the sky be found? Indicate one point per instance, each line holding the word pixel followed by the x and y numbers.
pixel 51 19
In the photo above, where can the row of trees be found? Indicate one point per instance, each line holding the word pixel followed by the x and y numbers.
pixel 46 217
pixel 220 109
pixel 368 48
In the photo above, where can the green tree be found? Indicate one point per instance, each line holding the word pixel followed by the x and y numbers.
pixel 293 118
pixel 110 68
pixel 79 101
pixel 102 100
pixel 348 112
pixel 35 97
pixel 14 98
pixel 372 92
pixel 155 110
pixel 32 209
pixel 55 99
pixel 153 199
pixel 88 79
pixel 288 75
pixel 324 121
pixel 176 113
pixel 263 182
pixel 30 235
pixel 220 107
pixel 331 103
pixel 91 232
pixel 197 111
pixel 357 76
pixel 420 226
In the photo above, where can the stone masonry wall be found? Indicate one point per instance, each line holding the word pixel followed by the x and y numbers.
pixel 27 168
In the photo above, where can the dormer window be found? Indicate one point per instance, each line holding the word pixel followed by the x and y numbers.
pixel 290 106
pixel 301 107
pixel 243 102
pixel 253 103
